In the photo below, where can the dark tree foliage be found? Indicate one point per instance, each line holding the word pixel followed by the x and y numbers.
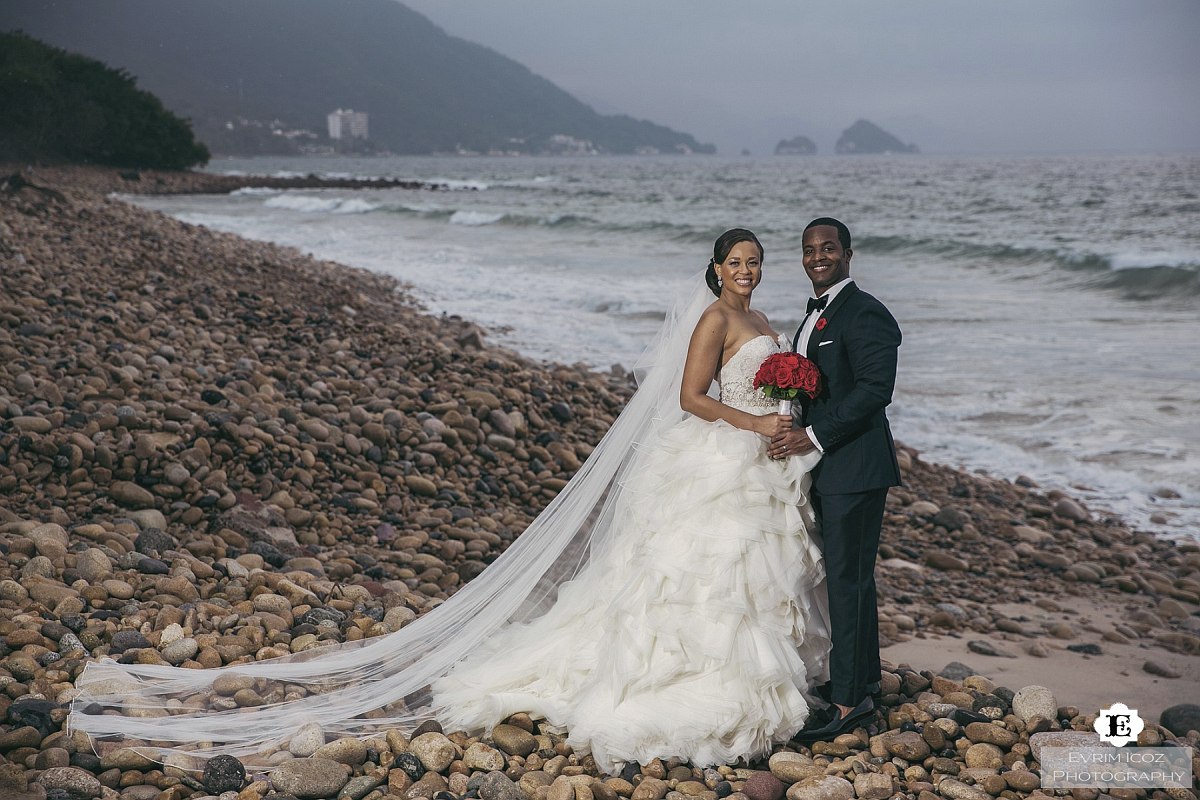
pixel 59 106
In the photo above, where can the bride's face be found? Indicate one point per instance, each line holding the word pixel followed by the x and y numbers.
pixel 742 269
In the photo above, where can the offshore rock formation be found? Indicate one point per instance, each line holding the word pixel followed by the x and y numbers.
pixel 796 146
pixel 867 137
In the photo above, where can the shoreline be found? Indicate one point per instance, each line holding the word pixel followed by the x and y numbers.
pixel 1115 674
pixel 153 181
pixel 253 405
pixel 1004 438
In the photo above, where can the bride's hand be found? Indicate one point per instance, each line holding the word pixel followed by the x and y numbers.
pixel 771 425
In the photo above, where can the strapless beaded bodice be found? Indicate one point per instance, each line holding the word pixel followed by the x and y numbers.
pixel 736 378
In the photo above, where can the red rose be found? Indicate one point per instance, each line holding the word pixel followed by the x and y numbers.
pixel 767 372
pixel 809 379
pixel 821 323
pixel 790 372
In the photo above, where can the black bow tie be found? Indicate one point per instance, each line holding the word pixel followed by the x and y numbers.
pixel 817 304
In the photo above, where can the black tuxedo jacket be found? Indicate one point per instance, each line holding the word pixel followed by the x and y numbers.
pixel 856 353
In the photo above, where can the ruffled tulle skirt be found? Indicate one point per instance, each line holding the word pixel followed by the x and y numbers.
pixel 694 630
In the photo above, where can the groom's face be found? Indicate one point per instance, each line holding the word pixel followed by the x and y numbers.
pixel 825 260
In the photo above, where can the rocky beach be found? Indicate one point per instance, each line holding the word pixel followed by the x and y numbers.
pixel 214 451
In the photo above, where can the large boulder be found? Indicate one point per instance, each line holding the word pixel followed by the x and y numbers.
pixel 1181 718
pixel 1035 701
pixel 310 778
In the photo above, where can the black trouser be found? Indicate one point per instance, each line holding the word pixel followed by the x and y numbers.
pixel 850 526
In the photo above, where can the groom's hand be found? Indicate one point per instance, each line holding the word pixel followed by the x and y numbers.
pixel 794 442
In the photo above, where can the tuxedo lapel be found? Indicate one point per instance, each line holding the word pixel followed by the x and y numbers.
pixel 811 352
pixel 842 296
pixel 796 338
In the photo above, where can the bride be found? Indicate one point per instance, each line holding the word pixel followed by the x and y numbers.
pixel 668 603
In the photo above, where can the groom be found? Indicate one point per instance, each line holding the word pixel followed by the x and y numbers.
pixel 853 340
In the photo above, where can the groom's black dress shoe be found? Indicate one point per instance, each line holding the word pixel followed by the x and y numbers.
pixel 818 718
pixel 837 724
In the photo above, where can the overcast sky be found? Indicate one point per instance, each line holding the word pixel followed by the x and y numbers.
pixel 953 76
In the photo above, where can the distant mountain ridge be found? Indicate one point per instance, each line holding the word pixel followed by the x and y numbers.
pixel 295 61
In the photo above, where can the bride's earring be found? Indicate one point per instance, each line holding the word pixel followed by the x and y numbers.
pixel 720 283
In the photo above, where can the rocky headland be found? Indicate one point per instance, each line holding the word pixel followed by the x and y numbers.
pixel 154 181
pixel 214 451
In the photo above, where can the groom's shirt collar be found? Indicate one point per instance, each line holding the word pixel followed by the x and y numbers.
pixel 810 320
pixel 832 292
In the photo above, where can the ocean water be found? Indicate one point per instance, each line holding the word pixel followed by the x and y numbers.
pixel 1050 306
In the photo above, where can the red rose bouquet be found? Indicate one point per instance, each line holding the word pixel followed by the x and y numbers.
pixel 783 376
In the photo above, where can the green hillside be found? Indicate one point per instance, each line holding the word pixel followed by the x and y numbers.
pixel 293 61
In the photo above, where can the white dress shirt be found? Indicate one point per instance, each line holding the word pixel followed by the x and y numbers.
pixel 806 332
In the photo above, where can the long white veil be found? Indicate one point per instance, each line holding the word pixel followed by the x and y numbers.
pixel 363 687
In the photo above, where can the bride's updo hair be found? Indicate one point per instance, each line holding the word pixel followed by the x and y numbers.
pixel 721 248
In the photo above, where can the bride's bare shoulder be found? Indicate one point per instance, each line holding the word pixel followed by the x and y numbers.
pixel 713 320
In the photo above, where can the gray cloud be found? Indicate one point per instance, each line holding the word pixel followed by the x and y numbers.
pixel 1021 76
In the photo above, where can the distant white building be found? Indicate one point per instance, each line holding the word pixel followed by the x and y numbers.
pixel 562 144
pixel 347 124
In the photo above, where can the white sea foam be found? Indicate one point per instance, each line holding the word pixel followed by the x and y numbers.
pixel 315 204
pixel 536 182
pixel 354 205
pixel 475 218
pixel 254 190
pixel 1140 259
pixel 421 208
pixel 303 202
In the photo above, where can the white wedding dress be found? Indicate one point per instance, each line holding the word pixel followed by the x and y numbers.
pixel 667 602
pixel 697 630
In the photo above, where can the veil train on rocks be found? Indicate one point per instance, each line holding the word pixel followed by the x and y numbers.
pixel 668 602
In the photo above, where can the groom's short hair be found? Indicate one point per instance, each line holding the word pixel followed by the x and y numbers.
pixel 843 231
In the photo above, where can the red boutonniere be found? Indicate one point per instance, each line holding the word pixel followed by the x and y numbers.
pixel 821 323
